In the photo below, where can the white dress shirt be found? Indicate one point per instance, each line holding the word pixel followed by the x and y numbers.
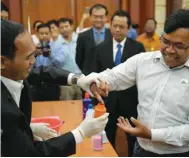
pixel 115 49
pixel 163 95
pixel 15 88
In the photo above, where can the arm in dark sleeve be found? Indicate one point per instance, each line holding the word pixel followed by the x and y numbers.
pixel 80 52
pixel 16 142
pixel 48 74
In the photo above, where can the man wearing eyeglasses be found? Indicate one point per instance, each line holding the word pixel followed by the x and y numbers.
pixel 162 79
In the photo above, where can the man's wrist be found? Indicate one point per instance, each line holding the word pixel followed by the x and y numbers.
pixel 74 78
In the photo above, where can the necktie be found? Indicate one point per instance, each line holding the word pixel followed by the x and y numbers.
pixel 118 55
pixel 98 40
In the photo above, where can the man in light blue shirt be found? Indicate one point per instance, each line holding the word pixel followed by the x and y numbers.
pixel 44 35
pixel 63 52
pixel 133 32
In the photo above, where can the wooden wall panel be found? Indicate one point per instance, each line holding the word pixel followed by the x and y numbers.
pixel 46 10
pixel 147 10
pixel 135 11
pixel 14 7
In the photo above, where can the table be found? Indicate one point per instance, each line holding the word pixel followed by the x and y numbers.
pixel 71 113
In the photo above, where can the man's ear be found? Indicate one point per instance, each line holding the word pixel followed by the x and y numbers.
pixel 3 60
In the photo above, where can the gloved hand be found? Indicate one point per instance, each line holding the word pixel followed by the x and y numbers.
pixel 41 131
pixel 92 126
pixel 85 82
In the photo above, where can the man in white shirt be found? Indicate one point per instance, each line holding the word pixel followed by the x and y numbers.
pixel 17 59
pixel 162 79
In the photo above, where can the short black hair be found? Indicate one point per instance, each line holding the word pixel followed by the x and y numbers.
pixel 135 26
pixel 155 22
pixel 122 13
pixel 9 31
pixel 98 6
pixel 63 20
pixel 178 19
pixel 42 26
pixel 50 22
pixel 35 22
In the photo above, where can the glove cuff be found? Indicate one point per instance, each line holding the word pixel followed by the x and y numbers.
pixel 82 133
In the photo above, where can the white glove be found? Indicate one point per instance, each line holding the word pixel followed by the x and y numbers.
pixel 41 131
pixel 84 82
pixel 92 126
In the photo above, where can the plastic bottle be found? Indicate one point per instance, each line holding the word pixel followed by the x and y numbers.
pixel 97 142
pixel 90 111
pixel 86 102
pixel 100 109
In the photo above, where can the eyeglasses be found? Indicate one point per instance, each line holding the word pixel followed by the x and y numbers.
pixel 177 46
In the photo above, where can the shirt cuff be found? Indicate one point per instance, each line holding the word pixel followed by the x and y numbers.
pixel 70 78
pixel 77 136
pixel 157 135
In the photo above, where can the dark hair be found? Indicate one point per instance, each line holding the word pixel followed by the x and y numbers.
pixel 9 31
pixel 63 20
pixel 35 22
pixel 178 19
pixel 98 6
pixel 50 22
pixel 155 22
pixel 135 26
pixel 3 7
pixel 42 26
pixel 122 13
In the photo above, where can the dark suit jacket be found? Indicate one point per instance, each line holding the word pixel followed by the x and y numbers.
pixel 85 50
pixel 125 100
pixel 17 137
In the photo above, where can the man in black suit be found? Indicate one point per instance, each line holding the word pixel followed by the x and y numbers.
pixel 87 41
pixel 109 54
pixel 17 59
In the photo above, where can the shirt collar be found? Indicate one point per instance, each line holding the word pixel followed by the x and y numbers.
pixel 158 56
pixel 115 43
pixel 74 38
pixel 102 31
pixel 12 85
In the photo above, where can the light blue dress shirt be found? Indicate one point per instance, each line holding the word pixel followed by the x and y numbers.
pixel 63 54
pixel 102 34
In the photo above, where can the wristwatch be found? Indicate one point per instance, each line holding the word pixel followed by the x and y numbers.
pixel 75 78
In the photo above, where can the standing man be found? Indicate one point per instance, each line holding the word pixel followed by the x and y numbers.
pixel 110 54
pixel 162 79
pixel 54 28
pixel 87 41
pixel 149 38
pixel 17 58
pixel 63 56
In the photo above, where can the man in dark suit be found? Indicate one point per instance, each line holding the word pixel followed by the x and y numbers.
pixel 109 54
pixel 17 59
pixel 87 41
